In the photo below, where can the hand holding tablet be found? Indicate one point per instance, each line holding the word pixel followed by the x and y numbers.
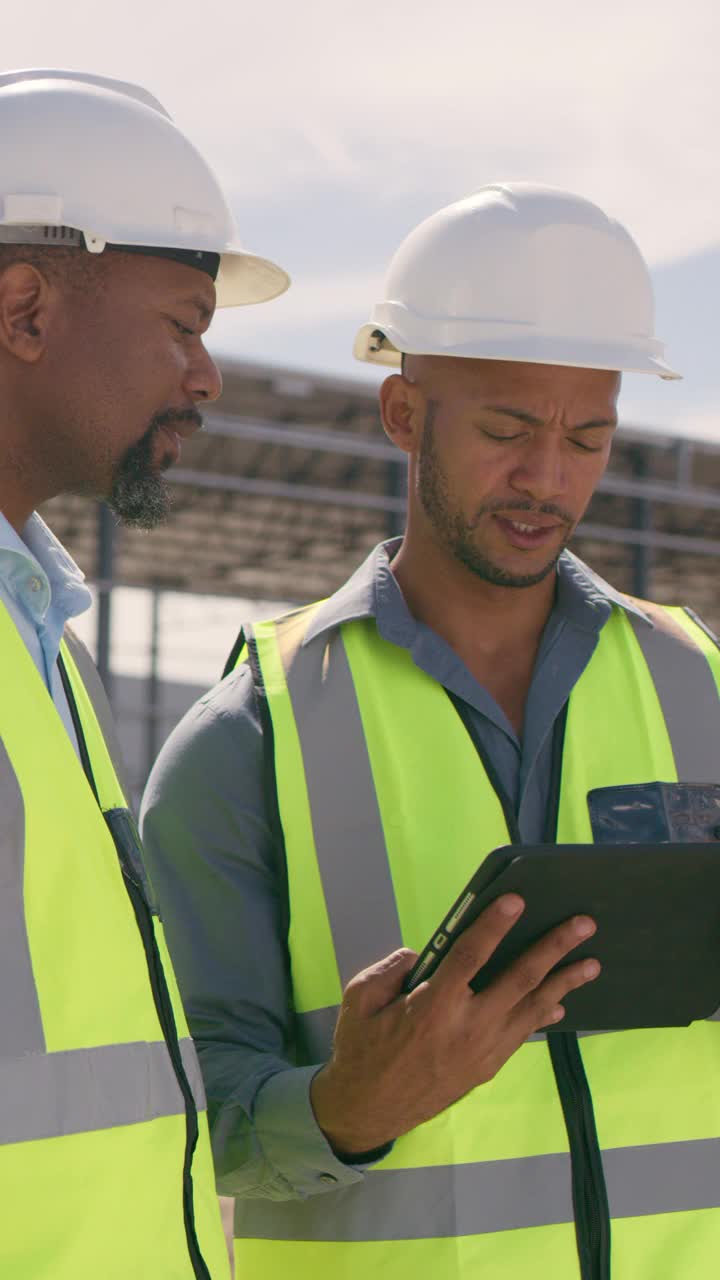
pixel 657 909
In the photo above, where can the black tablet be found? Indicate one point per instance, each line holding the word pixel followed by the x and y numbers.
pixel 657 909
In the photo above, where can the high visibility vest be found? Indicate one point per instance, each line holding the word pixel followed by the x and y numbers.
pixel 387 808
pixel 105 1165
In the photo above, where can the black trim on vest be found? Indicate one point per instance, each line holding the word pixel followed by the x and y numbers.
pixel 119 823
pixel 77 726
pixel 590 1202
pixel 558 746
pixel 464 711
pixel 589 1193
pixel 234 654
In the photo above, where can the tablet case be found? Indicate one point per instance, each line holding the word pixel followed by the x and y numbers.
pixel 657 908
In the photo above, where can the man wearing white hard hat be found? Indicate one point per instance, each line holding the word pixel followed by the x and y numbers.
pixel 116 243
pixel 324 805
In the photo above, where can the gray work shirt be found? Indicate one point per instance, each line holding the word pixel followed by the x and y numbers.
pixel 218 874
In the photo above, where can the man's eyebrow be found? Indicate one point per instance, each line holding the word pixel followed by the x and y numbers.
pixel 518 414
pixel 529 419
pixel 595 422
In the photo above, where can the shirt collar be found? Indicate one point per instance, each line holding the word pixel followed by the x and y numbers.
pixel 36 551
pixel 581 589
pixel 373 592
pixel 357 598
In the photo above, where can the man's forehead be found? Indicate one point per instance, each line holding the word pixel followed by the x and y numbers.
pixel 534 394
pixel 485 373
pixel 189 287
pixel 166 281
pixel 510 382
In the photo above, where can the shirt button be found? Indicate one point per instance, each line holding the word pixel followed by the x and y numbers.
pixel 35 584
pixel 328 1177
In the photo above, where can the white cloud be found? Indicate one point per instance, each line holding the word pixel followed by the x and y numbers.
pixel 336 126
pixel 620 102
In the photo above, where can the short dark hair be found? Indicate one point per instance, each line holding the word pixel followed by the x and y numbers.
pixel 60 264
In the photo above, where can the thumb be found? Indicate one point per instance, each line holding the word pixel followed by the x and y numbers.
pixel 378 985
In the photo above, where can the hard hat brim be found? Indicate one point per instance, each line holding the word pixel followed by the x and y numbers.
pixel 244 279
pixel 525 349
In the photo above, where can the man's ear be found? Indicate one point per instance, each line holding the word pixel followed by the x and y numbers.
pixel 25 311
pixel 402 410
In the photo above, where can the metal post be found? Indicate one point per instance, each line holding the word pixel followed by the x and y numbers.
pixel 105 573
pixel 642 513
pixel 684 454
pixel 153 686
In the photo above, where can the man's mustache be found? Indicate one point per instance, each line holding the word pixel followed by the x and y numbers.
pixel 536 508
pixel 173 417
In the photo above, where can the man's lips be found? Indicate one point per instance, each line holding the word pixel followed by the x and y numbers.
pixel 528 531
pixel 173 444
pixel 174 432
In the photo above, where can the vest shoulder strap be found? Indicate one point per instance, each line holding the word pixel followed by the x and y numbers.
pixel 682 624
pixel 662 617
pixel 293 622
pixel 683 658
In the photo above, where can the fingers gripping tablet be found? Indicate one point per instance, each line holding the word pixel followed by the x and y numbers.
pixel 657 909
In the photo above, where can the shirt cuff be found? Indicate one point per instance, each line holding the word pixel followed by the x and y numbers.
pixel 292 1141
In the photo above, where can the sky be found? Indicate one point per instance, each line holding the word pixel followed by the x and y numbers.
pixel 336 127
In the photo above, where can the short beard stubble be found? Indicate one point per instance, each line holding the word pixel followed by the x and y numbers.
pixel 140 497
pixel 455 533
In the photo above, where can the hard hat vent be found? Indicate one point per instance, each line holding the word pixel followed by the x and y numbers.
pixel 50 235
pixel 64 235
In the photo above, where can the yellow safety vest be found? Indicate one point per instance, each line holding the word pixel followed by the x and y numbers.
pixel 105 1165
pixel 386 809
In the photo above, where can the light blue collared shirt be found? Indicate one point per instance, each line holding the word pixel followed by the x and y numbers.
pixel 42 588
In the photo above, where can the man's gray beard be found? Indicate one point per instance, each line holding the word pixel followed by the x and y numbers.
pixel 454 532
pixel 140 496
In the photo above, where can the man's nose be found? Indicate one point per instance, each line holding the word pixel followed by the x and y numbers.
pixel 203 380
pixel 540 473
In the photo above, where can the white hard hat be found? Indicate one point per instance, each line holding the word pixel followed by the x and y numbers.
pixel 518 272
pixel 87 159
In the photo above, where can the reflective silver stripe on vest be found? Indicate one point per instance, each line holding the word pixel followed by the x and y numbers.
pixel 46 1095
pixel 687 691
pixel 314 1033
pixel 189 1056
pixel 353 861
pixel 501 1195
pixel 98 697
pixel 21 1029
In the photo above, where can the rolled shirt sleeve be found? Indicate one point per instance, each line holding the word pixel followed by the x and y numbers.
pixel 219 879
